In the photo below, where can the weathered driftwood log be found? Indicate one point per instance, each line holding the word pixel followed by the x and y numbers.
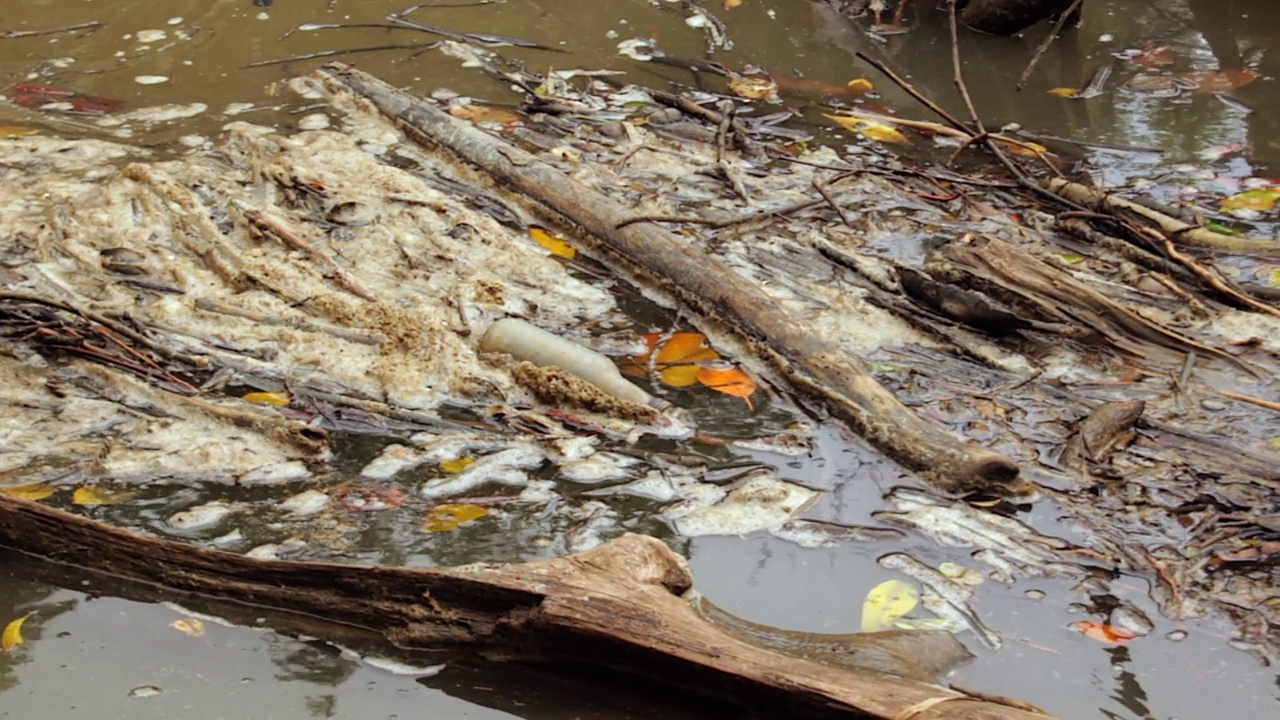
pixel 814 364
pixel 618 607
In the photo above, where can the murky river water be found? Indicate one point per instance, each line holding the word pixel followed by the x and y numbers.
pixel 87 653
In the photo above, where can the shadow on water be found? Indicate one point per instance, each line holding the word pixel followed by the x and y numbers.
pixel 86 651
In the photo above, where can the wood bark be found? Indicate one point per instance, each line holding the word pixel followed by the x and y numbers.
pixel 618 607
pixel 814 364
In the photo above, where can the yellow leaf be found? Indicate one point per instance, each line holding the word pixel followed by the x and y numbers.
pixel 887 602
pixel 1027 149
pixel 191 627
pixel 16 131
pixel 553 244
pixel 12 636
pixel 31 491
pixel 278 399
pixel 860 85
pixel 731 4
pixel 869 128
pixel 961 574
pixel 1273 278
pixel 456 465
pixel 681 375
pixel 753 87
pixel 566 153
pixel 95 495
pixel 1260 199
pixel 1064 92
pixel 443 518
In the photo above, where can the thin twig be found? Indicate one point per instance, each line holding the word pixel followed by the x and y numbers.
pixel 1044 46
pixel 349 51
pixel 91 25
pixel 822 190
pixel 1213 279
pixel 104 321
pixel 910 90
pixel 1268 404
pixel 720 224
pixel 958 77
pixel 264 223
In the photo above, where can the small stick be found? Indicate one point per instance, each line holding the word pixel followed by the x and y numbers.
pixel 822 190
pixel 1268 404
pixel 720 224
pixel 1044 46
pixel 263 223
pixel 91 25
pixel 337 53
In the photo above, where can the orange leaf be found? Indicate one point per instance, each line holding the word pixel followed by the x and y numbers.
pixel 1154 56
pixel 678 348
pixel 723 377
pixel 480 113
pixel 1216 81
pixel 1102 632
pixel 678 361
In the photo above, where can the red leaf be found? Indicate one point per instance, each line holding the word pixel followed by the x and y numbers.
pixel 34 97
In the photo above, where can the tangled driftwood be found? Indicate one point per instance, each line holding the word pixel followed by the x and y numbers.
pixel 619 607
pixel 813 363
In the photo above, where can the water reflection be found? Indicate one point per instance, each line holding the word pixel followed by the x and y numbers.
pixel 804 39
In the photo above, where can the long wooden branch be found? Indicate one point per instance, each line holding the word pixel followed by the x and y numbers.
pixel 815 364
pixel 618 607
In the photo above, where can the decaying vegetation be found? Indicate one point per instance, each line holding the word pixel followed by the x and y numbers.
pixel 1044 339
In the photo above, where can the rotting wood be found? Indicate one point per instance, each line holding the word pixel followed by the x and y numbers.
pixel 1033 281
pixel 815 365
pixel 619 607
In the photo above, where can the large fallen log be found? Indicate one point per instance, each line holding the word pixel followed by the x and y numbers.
pixel 814 364
pixel 620 607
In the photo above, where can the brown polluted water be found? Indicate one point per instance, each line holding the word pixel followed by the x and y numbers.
pixel 89 654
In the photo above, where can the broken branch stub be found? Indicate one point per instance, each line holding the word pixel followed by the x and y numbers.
pixel 815 365
pixel 620 607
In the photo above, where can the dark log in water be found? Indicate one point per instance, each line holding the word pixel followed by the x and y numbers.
pixel 619 607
